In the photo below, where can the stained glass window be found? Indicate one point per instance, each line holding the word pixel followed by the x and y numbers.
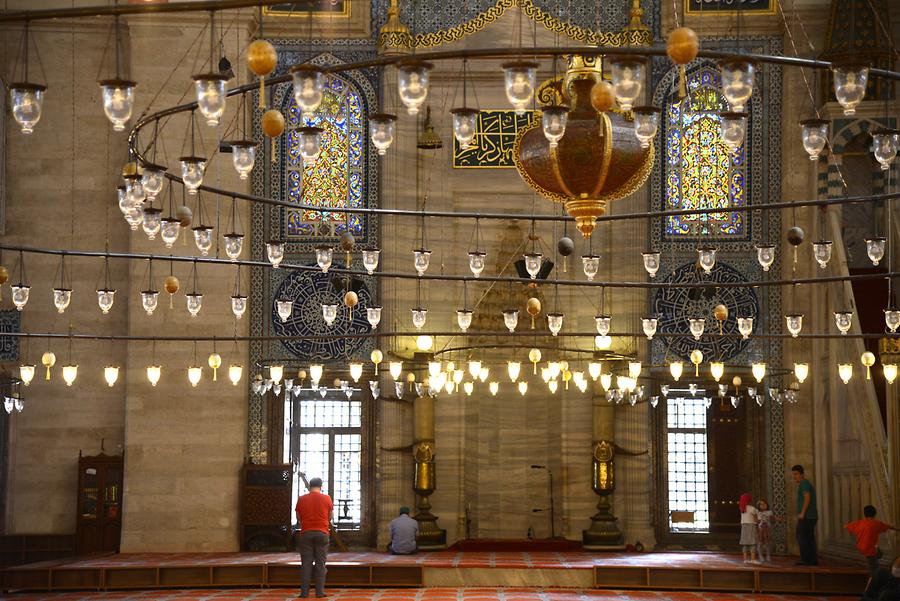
pixel 336 179
pixel 700 171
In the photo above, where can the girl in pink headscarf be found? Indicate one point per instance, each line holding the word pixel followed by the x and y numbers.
pixel 748 528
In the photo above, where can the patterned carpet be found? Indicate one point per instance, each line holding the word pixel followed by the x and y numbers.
pixel 432 594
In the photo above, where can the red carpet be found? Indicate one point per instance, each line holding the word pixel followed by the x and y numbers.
pixel 486 545
pixel 431 594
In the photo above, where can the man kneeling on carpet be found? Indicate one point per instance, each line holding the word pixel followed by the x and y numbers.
pixel 404 530
pixel 314 512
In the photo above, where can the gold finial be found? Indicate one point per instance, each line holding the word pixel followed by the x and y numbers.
pixel 637 14
pixel 394 36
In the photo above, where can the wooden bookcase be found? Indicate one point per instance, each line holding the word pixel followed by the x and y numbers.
pixel 99 518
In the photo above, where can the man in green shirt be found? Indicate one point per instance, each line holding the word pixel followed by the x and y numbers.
pixel 807 516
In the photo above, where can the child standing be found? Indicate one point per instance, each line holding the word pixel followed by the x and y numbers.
pixel 867 531
pixel 764 518
pixel 748 528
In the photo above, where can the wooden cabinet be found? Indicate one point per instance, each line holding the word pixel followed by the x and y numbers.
pixel 99 518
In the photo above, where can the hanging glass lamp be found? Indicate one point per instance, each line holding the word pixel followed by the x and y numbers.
pixel 412 84
pixel 381 131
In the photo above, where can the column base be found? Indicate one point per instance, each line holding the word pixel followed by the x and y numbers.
pixel 430 538
pixel 604 533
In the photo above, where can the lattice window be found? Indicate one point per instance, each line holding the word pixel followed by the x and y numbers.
pixel 700 171
pixel 323 438
pixel 336 177
pixel 686 454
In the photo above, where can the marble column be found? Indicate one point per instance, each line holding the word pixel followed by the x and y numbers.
pixel 604 531
pixel 430 535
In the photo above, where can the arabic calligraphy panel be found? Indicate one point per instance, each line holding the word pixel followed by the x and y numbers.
pixel 495 141
pixel 9 345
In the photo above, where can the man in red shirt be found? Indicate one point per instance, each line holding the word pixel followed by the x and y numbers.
pixel 867 531
pixel 314 512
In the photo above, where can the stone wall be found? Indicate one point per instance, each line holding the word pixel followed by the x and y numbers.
pixel 184 446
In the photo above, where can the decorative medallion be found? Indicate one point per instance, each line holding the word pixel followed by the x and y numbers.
pixel 674 305
pixel 310 290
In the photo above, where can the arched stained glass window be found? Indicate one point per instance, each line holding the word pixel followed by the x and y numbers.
pixel 336 178
pixel 700 171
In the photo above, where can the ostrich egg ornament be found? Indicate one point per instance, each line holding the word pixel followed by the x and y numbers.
pixel 4 274
pixel 682 45
pixel 272 123
pixel 598 160
pixel 261 57
pixel 795 236
pixel 533 306
pixel 565 246
pixel 351 299
pixel 603 96
pixel 172 284
pixel 185 215
pixel 720 312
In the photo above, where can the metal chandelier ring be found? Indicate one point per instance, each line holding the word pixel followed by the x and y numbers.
pixel 498 53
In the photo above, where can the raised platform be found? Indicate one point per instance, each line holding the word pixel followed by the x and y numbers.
pixel 664 571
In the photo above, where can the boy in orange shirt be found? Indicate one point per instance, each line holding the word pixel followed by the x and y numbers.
pixel 867 531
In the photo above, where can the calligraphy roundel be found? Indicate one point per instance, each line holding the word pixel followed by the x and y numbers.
pixel 674 305
pixel 310 290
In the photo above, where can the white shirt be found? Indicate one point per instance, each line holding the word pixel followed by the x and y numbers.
pixel 749 516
